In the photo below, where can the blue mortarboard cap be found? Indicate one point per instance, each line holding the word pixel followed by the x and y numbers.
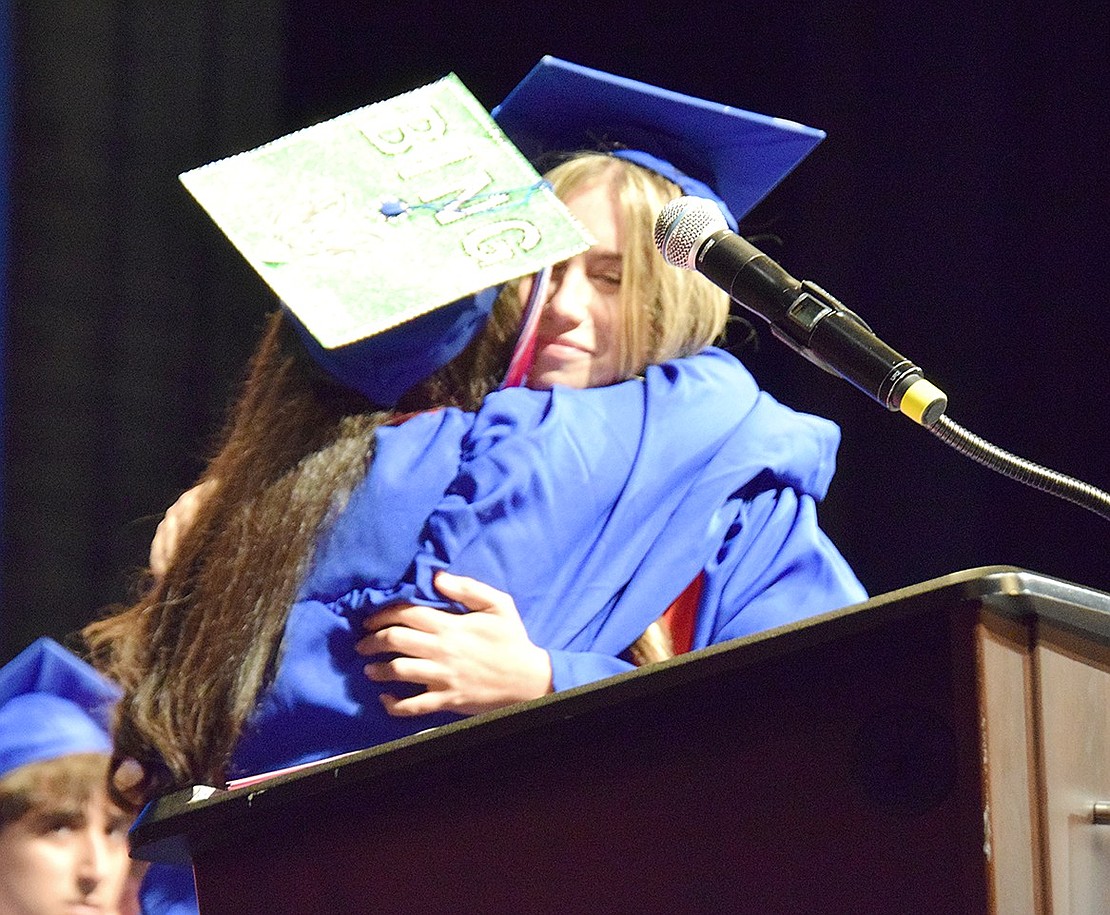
pixel 52 704
pixel 737 156
pixel 384 366
pixel 709 150
pixel 376 227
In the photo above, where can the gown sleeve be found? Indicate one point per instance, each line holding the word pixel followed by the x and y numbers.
pixel 776 566
pixel 562 496
pixel 594 509
pixel 577 668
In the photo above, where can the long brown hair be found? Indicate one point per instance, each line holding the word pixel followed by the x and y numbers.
pixel 193 653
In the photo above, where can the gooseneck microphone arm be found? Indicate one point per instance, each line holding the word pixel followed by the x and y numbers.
pixel 1017 468
pixel 691 233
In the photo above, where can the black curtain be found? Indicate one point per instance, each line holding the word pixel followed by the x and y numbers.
pixel 127 322
pixel 959 204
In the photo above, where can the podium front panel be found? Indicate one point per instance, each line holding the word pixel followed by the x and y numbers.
pixel 841 778
pixel 836 765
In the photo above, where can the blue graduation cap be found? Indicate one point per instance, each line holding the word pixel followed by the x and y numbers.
pixel 52 704
pixel 384 366
pixel 379 229
pixel 709 150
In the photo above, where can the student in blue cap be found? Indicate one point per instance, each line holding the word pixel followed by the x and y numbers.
pixel 63 843
pixel 638 461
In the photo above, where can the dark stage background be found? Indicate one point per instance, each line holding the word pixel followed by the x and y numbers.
pixel 959 204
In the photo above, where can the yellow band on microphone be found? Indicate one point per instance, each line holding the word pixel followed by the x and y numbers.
pixel 923 402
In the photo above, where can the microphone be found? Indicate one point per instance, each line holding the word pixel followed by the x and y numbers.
pixel 691 233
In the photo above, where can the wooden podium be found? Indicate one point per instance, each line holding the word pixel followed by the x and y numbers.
pixel 943 748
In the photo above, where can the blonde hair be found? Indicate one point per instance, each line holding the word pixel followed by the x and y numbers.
pixel 667 312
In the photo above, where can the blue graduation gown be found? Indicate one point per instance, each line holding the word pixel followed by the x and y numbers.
pixel 593 508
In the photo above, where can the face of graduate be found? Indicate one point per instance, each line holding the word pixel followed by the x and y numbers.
pixel 576 340
pixel 65 863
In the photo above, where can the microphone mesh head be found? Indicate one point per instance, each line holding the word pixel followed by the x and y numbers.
pixel 683 225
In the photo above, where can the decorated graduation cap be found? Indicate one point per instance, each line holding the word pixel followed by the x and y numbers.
pixel 385 230
pixel 52 704
pixel 726 154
